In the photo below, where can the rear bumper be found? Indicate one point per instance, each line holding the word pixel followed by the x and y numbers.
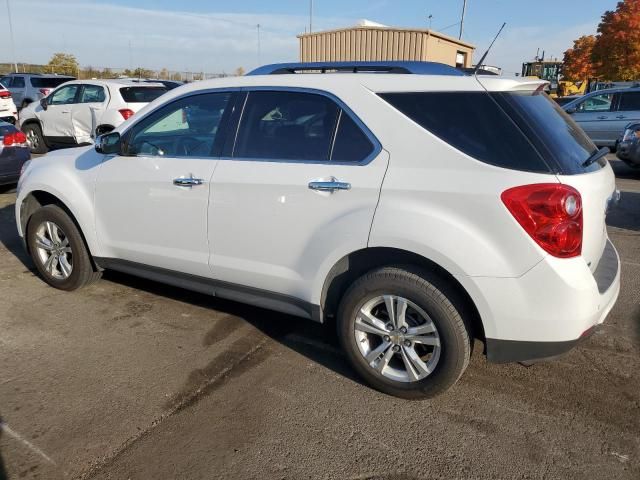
pixel 548 310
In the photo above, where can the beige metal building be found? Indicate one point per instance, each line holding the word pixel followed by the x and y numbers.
pixel 370 42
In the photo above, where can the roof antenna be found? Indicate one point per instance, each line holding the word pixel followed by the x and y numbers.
pixel 481 62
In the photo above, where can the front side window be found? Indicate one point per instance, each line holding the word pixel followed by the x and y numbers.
pixel 287 126
pixel 596 103
pixel 64 95
pixel 184 128
pixel 92 94
pixel 629 101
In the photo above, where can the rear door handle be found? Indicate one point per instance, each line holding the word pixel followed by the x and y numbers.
pixel 188 181
pixel 602 117
pixel 621 117
pixel 329 185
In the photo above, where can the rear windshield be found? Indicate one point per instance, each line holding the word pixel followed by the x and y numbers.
pixel 49 82
pixel 141 94
pixel 520 131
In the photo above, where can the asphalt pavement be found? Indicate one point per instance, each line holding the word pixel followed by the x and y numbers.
pixel 133 379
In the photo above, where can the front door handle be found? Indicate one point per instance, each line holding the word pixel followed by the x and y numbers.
pixel 621 117
pixel 187 181
pixel 602 117
pixel 330 185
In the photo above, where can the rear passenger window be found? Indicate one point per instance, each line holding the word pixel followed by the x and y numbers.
pixel 473 123
pixel 287 126
pixel 629 101
pixel 351 144
pixel 18 82
pixel 92 94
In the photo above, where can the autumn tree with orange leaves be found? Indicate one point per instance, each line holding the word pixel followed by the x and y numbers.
pixel 578 64
pixel 614 54
pixel 617 48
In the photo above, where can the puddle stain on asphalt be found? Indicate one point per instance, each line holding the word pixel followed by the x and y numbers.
pixel 241 356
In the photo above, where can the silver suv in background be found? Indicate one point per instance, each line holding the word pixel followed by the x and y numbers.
pixel 27 88
pixel 604 114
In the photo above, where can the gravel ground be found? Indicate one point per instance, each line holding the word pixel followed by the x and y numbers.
pixel 133 379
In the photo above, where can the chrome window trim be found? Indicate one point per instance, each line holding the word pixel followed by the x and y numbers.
pixel 375 152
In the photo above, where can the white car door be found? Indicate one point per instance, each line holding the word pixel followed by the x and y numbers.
pixel 85 113
pixel 56 118
pixel 291 198
pixel 151 201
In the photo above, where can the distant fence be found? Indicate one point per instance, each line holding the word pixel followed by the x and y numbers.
pixel 89 72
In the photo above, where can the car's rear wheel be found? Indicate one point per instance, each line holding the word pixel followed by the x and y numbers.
pixel 58 249
pixel 35 139
pixel 402 334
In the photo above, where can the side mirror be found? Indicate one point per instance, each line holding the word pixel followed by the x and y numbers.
pixel 108 144
pixel 43 103
pixel 571 110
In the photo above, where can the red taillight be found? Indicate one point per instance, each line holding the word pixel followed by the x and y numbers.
pixel 45 91
pixel 126 113
pixel 14 139
pixel 551 214
pixel 5 94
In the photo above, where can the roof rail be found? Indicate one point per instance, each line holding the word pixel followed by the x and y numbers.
pixel 412 67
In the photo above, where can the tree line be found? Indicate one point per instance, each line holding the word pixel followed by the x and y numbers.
pixel 612 54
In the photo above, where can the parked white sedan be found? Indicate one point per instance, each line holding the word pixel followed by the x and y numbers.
pixel 78 111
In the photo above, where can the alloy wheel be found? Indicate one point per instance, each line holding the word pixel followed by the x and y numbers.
pixel 397 338
pixel 54 250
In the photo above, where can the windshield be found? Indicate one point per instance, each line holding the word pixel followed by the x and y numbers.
pixel 141 94
pixel 555 135
pixel 49 82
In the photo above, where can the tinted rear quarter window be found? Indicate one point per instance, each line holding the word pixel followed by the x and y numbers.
pixel 17 82
pixel 141 94
pixel 473 123
pixel 351 143
pixel 629 101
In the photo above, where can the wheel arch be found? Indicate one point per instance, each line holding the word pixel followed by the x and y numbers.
pixel 355 264
pixel 40 198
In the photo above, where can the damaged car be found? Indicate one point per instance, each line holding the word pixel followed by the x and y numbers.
pixel 77 112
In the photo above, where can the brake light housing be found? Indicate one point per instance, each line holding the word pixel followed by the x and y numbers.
pixel 15 139
pixel 45 91
pixel 126 113
pixel 5 94
pixel 551 213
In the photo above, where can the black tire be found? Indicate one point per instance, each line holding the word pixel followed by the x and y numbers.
pixel 426 292
pixel 35 137
pixel 82 271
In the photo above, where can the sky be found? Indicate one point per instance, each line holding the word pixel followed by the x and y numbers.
pixel 217 36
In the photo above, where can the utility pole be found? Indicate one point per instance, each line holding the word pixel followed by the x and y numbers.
pixel 13 47
pixel 259 61
pixel 130 57
pixel 464 9
pixel 310 16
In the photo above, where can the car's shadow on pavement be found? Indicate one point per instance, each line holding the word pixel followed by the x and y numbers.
pixel 626 214
pixel 9 238
pixel 317 342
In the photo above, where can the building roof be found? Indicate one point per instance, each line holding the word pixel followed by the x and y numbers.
pixel 368 25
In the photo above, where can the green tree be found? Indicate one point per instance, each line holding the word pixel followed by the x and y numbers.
pixel 63 63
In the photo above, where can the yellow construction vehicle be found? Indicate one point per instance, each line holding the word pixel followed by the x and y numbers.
pixel 549 70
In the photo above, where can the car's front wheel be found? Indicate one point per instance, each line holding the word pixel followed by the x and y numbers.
pixel 35 139
pixel 58 249
pixel 402 334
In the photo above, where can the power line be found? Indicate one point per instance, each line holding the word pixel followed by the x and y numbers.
pixel 13 47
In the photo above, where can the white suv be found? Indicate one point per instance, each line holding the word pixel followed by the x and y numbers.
pixel 416 206
pixel 78 111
